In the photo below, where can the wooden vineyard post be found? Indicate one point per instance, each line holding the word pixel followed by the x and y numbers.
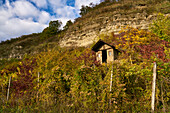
pixel 153 88
pixel 8 88
pixel 111 82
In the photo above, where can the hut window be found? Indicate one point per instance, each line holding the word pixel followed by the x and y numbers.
pixel 110 53
pixel 99 55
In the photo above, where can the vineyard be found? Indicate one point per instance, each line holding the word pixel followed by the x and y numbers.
pixel 71 80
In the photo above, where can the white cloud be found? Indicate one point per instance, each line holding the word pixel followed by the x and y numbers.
pixel 67 11
pixel 7 4
pixel 4 16
pixel 16 27
pixel 18 18
pixel 44 17
pixel 79 3
pixel 40 3
pixel 24 9
pixel 21 17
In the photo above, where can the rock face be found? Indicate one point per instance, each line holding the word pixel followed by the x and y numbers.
pixel 85 34
pixel 16 52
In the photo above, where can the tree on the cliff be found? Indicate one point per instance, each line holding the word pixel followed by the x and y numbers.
pixel 68 24
pixel 84 10
pixel 53 29
pixel 54 26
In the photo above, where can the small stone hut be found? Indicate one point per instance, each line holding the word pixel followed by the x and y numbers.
pixel 105 53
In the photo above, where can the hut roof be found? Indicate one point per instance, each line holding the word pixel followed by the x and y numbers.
pixel 99 44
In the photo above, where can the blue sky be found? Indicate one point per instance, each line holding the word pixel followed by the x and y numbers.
pixel 22 17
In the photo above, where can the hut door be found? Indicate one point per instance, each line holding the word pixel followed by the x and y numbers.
pixel 104 56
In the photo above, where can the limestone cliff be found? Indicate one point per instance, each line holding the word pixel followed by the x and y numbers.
pixel 90 30
pixel 108 19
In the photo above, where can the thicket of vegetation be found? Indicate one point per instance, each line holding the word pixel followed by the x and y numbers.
pixel 71 80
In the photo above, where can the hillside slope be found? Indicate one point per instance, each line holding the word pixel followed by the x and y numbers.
pixel 103 18
pixel 69 79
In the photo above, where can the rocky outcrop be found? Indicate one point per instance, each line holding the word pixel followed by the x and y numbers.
pixel 85 33
pixel 16 52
